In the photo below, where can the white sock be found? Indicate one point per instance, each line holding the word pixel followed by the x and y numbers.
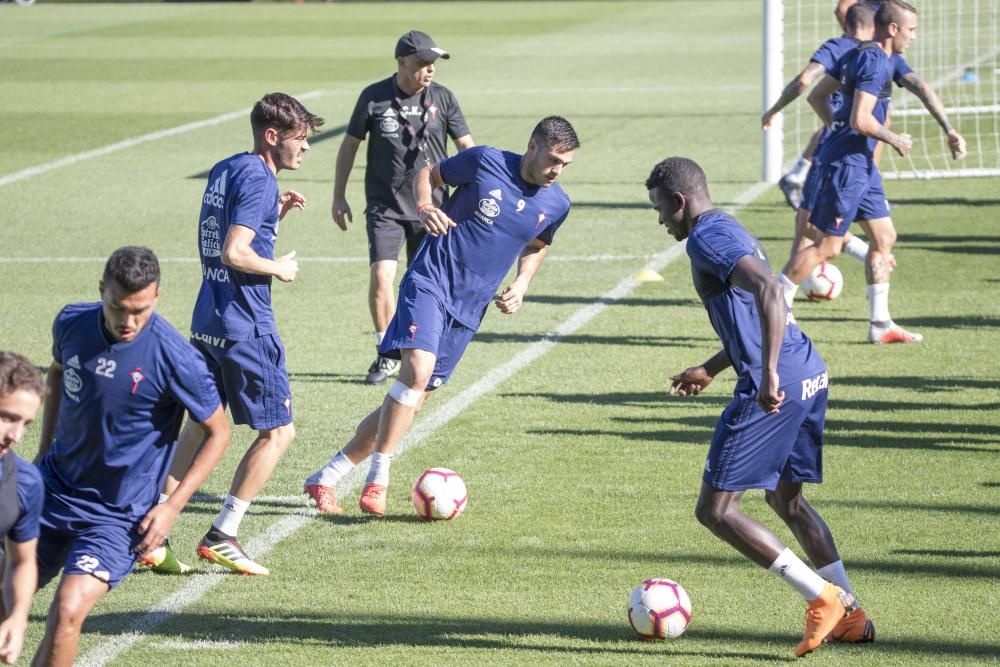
pixel 163 499
pixel 379 335
pixel 790 289
pixel 789 568
pixel 835 572
pixel 379 472
pixel 856 248
pixel 231 515
pixel 878 302
pixel 333 471
pixel 797 174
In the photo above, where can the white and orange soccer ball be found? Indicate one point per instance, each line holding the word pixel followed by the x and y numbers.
pixel 659 609
pixel 824 283
pixel 439 494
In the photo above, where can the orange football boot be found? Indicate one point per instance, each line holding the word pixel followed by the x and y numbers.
pixel 857 628
pixel 822 616
pixel 373 499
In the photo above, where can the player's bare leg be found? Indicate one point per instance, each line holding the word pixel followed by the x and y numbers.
pixel 721 513
pixel 882 237
pixel 395 419
pixel 74 599
pixel 382 304
pixel 801 264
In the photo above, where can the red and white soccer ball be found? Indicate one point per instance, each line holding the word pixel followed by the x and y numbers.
pixel 824 283
pixel 439 494
pixel 659 609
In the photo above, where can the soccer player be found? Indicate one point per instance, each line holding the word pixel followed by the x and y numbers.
pixel 21 493
pixel 120 381
pixel 409 118
pixel 849 185
pixel 859 25
pixel 506 206
pixel 233 324
pixel 771 435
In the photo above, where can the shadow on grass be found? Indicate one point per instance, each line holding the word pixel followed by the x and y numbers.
pixel 946 553
pixel 589 339
pixel 563 299
pixel 332 378
pixel 958 249
pixel 950 322
pixel 920 383
pixel 503 634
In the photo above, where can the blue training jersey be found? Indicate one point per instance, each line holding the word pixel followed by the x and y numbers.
pixel 717 242
pixel 234 305
pixel 121 409
pixel 30 496
pixel 868 69
pixel 497 214
pixel 827 55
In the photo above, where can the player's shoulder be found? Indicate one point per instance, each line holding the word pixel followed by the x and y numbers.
pixel 715 224
pixel 76 312
pixel 559 195
pixel 167 336
pixel 439 91
pixel 29 478
pixel 378 90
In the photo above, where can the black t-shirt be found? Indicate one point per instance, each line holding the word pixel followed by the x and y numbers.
pixel 407 133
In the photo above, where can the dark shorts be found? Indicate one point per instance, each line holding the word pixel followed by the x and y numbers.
pixel 251 378
pixel 810 187
pixel 105 551
pixel 753 450
pixel 848 190
pixel 387 234
pixel 422 322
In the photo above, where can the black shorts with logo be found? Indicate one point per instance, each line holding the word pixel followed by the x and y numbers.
pixel 387 233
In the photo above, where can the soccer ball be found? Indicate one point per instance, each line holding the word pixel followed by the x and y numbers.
pixel 659 609
pixel 439 494
pixel 824 283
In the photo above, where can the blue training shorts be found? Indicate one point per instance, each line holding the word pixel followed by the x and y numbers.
pixel 251 378
pixel 105 551
pixel 753 450
pixel 848 189
pixel 422 322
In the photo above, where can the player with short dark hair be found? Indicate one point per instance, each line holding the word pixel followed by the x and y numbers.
pixel 506 207
pixel 120 381
pixel 21 495
pixel 848 183
pixel 407 119
pixel 771 435
pixel 233 323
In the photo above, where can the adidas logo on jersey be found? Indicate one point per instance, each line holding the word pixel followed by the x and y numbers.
pixel 497 193
pixel 389 113
pixel 73 362
pixel 216 195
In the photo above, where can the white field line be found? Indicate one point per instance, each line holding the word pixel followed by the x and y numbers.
pixel 198 586
pixel 197 645
pixel 134 141
pixel 319 260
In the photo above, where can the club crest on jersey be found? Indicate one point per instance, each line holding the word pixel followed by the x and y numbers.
pixel 389 125
pixel 136 376
pixel 412 330
pixel 72 383
pixel 488 209
pixel 288 405
pixel 541 219
pixel 838 221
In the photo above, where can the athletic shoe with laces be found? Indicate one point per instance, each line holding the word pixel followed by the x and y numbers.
pixel 822 616
pixel 381 370
pixel 373 499
pixel 791 190
pixel 224 550
pixel 856 628
pixel 892 334
pixel 324 497
pixel 162 560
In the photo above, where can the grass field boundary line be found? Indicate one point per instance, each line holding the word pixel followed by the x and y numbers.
pixel 133 141
pixel 605 257
pixel 200 584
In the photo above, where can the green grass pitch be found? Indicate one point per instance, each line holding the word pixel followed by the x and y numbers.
pixel 582 472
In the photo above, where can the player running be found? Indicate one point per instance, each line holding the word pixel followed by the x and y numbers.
pixel 849 185
pixel 507 207
pixel 21 495
pixel 233 324
pixel 771 434
pixel 119 384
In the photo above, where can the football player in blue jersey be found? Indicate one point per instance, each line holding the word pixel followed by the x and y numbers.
pixel 21 495
pixel 233 324
pixel 771 435
pixel 120 382
pixel 506 208
pixel 849 185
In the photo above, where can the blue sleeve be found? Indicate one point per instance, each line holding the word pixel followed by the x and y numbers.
pixel 193 386
pixel 58 324
pixel 825 55
pixel 548 234
pixel 718 249
pixel 251 196
pixel 869 72
pixel 30 495
pixel 464 167
pixel 900 68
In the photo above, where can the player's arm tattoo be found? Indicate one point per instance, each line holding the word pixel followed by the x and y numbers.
pixel 913 83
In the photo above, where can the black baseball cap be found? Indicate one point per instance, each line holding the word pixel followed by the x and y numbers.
pixel 421 44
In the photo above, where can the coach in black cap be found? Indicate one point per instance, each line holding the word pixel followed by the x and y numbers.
pixel 409 119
